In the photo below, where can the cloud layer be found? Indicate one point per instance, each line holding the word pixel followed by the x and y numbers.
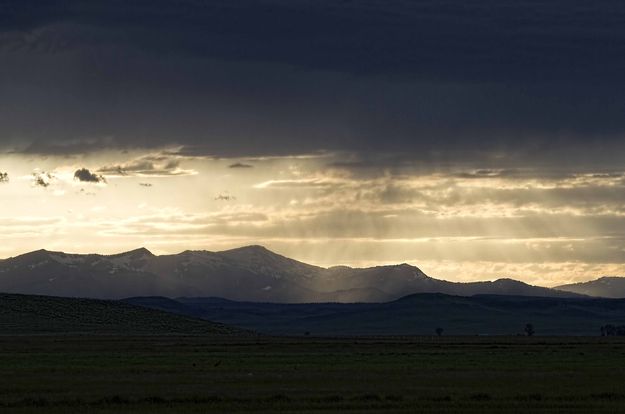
pixel 492 82
pixel 547 226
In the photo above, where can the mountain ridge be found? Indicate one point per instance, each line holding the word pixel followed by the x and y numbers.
pixel 249 273
pixel 605 286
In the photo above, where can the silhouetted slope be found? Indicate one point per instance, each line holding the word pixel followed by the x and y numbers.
pixel 162 303
pixel 28 314
pixel 607 287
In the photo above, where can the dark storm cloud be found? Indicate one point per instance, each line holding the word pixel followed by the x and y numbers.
pixel 485 39
pixel 511 82
pixel 86 176
pixel 72 147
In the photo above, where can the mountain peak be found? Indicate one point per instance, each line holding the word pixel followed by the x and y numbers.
pixel 254 250
pixel 134 254
pixel 36 253
pixel 509 280
pixel 406 267
pixel 141 251
pixel 251 248
pixel 260 259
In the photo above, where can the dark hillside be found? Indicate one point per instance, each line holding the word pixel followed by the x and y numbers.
pixel 418 314
pixel 26 314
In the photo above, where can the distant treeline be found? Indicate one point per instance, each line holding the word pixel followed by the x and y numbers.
pixel 613 330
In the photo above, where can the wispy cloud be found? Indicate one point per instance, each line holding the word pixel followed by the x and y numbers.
pixel 152 165
pixel 225 197
pixel 240 165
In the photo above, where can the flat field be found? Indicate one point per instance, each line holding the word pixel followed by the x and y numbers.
pixel 187 374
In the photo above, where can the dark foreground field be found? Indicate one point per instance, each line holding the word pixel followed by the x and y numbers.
pixel 105 374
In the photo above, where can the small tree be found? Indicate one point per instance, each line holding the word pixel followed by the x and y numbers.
pixel 529 329
pixel 608 330
pixel 439 331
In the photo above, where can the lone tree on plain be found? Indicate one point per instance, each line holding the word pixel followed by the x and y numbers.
pixel 439 331
pixel 529 329
pixel 613 330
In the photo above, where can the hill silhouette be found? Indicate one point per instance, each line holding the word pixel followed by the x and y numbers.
pixel 418 314
pixel 607 287
pixel 28 314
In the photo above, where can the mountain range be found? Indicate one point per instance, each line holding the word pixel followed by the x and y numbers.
pixel 250 273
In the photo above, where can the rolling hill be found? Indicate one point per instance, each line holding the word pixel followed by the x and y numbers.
pixel 28 314
pixel 607 287
pixel 418 314
pixel 250 273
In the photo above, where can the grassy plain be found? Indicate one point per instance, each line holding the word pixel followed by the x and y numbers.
pixel 187 374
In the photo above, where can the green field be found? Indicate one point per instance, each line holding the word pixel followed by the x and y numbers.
pixel 111 374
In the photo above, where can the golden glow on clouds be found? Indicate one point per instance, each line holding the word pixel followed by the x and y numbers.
pixel 545 227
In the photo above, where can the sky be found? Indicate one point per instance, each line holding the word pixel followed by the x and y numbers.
pixel 475 140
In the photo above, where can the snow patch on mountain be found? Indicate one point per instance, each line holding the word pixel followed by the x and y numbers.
pixel 68 259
